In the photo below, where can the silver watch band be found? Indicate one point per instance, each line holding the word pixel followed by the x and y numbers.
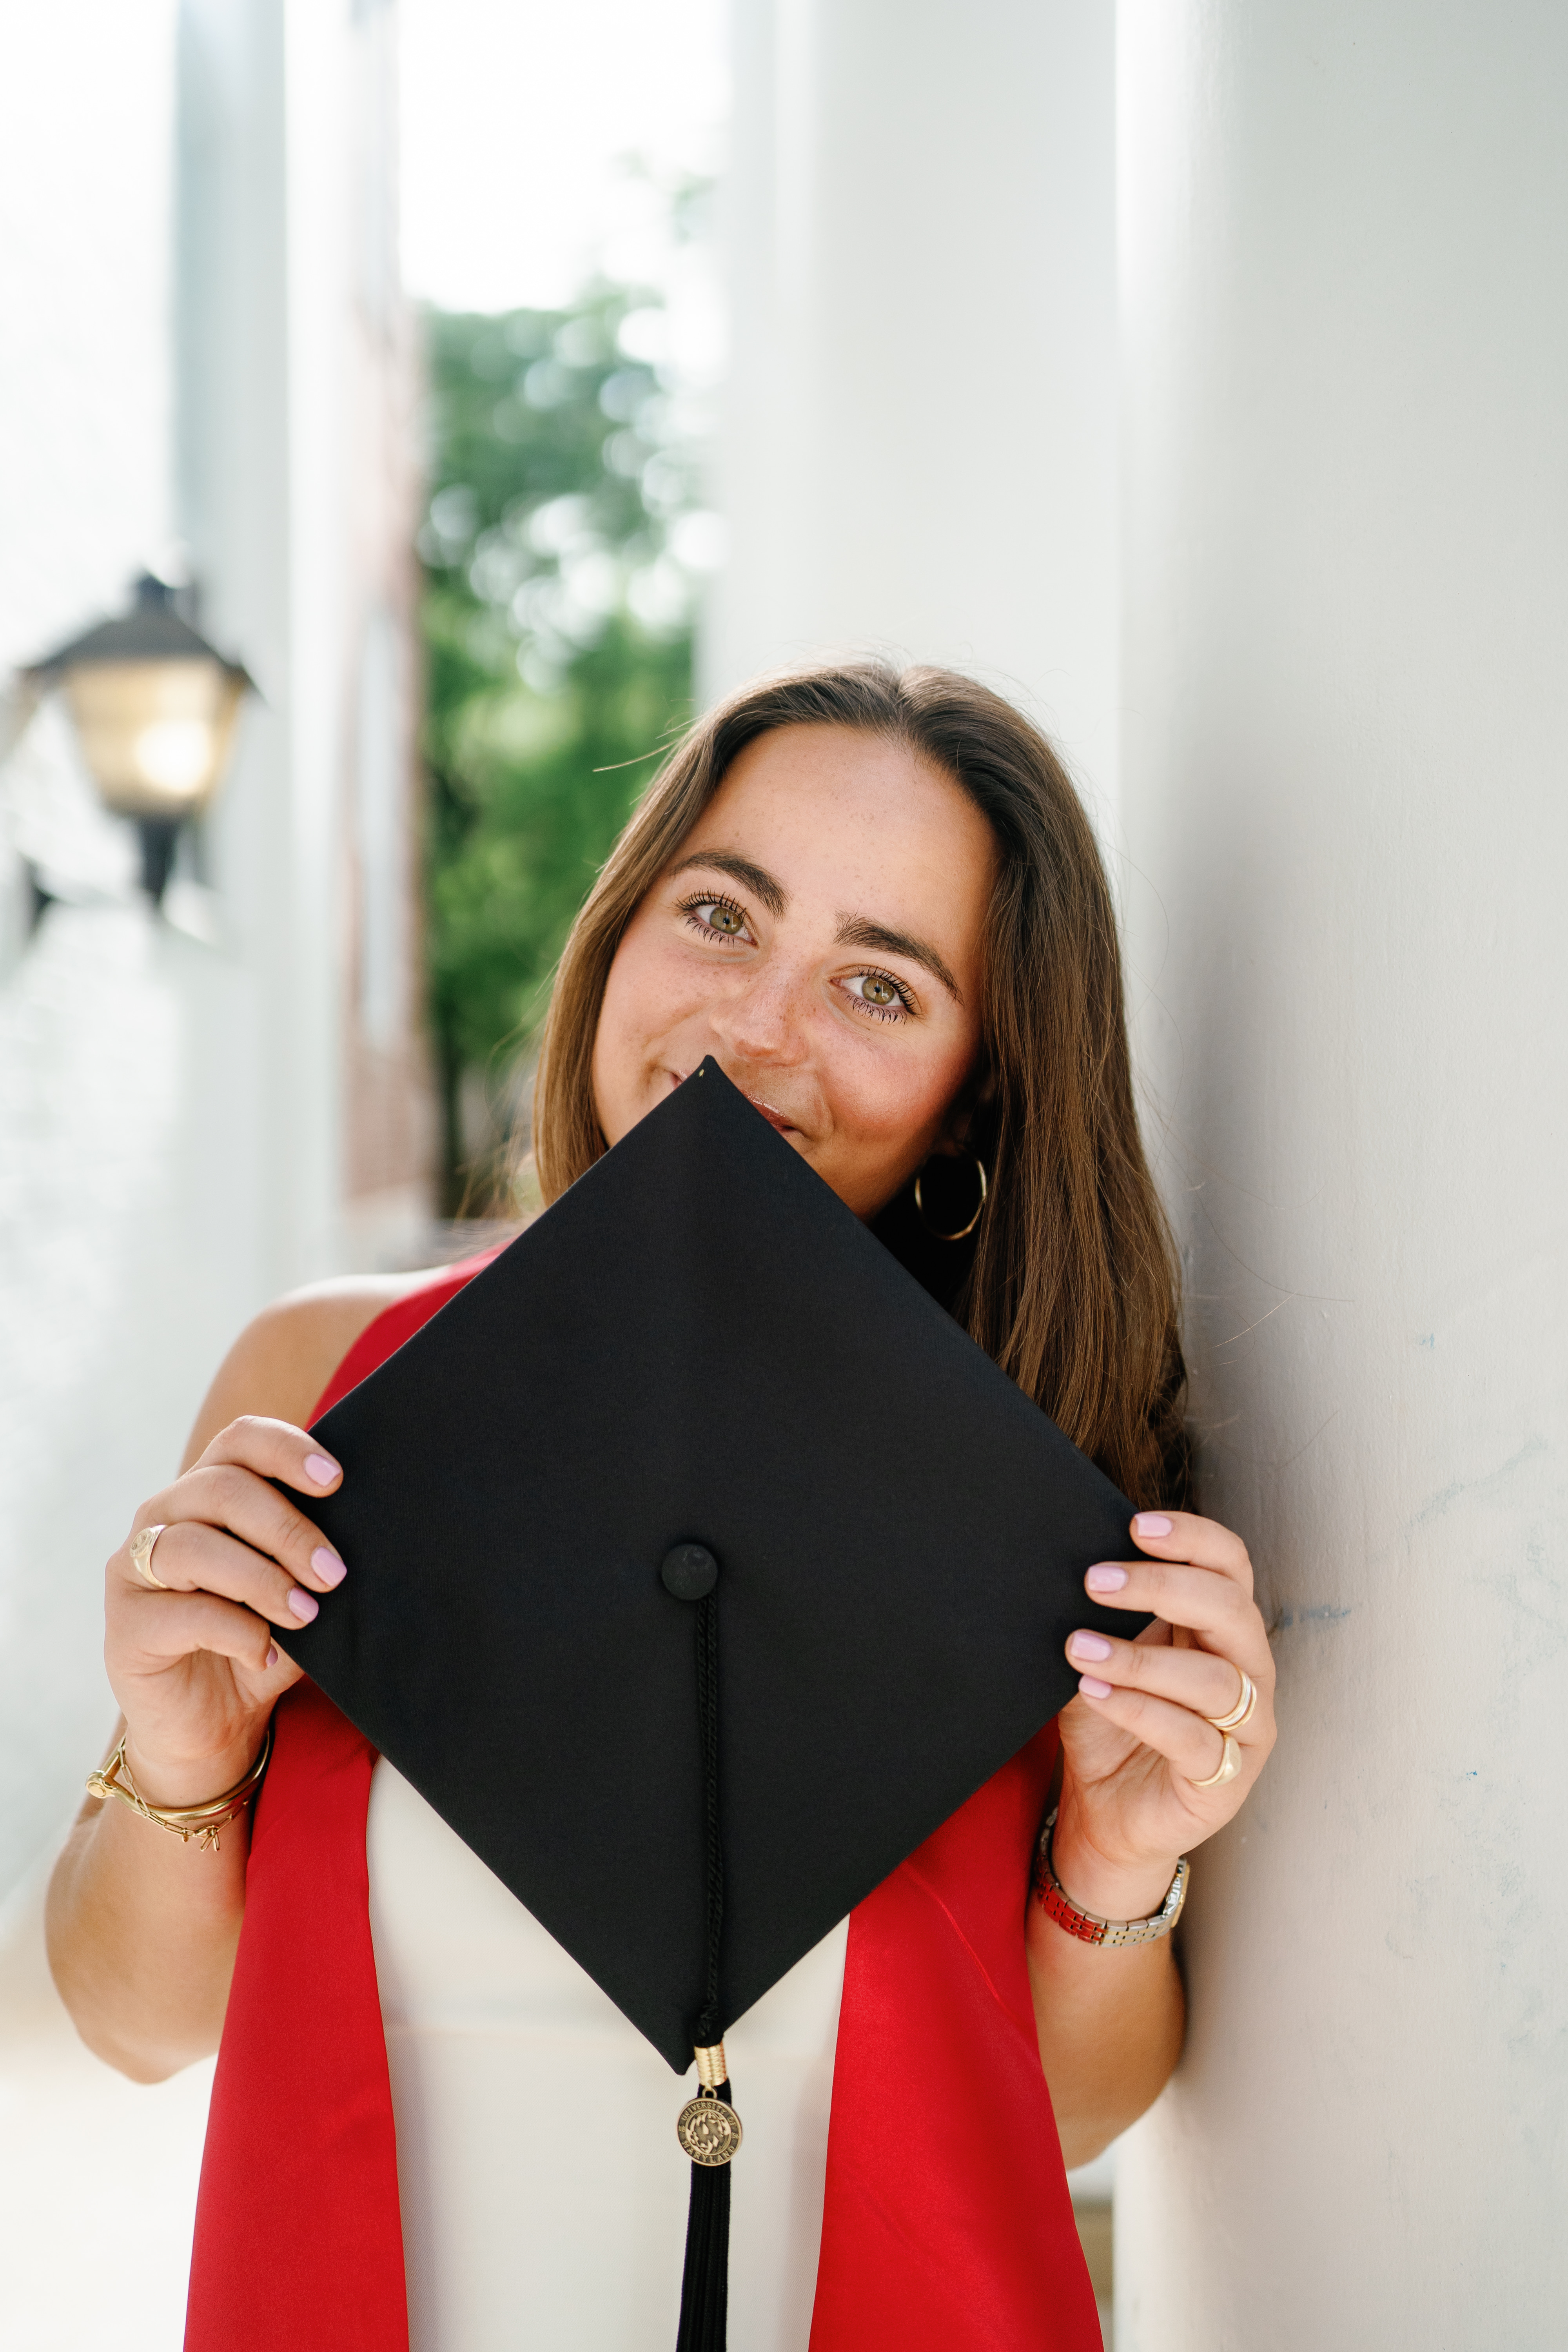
pixel 1084 1924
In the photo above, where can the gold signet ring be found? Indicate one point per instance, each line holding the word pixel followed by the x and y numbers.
pixel 1229 1765
pixel 1243 1707
pixel 140 1549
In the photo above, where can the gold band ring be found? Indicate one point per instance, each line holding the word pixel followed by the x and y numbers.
pixel 1243 1707
pixel 1229 1765
pixel 141 1550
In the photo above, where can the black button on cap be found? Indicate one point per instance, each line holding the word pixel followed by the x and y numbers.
pixel 690 1572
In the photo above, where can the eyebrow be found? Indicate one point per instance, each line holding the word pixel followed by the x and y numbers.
pixel 854 930
pixel 861 932
pixel 756 878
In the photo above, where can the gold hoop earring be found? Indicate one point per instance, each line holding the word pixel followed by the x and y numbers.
pixel 980 1204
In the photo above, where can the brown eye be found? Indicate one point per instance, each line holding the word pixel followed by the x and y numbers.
pixel 724 918
pixel 880 993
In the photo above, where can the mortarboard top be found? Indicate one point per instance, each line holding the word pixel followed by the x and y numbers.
pixel 700 1345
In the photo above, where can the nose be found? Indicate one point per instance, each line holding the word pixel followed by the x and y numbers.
pixel 760 1020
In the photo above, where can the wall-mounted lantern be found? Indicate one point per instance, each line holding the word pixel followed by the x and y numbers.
pixel 155 707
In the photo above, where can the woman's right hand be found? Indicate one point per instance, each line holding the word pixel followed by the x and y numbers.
pixel 195 1667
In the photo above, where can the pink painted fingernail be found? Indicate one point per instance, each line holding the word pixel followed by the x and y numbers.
pixel 319 1470
pixel 1092 1687
pixel 273 1655
pixel 1087 1645
pixel 1151 1523
pixel 303 1605
pixel 1106 1578
pixel 327 1565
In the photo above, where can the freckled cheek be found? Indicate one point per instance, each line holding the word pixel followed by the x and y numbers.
pixel 632 1016
pixel 649 987
pixel 890 1101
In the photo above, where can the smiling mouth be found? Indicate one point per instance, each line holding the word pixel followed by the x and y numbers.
pixel 774 1117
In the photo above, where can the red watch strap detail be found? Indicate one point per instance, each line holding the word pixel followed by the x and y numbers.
pixel 1054 1903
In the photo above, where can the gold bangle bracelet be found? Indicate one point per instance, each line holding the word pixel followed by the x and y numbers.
pixel 202 1822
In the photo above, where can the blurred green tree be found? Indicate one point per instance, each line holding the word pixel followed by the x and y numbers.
pixel 557 548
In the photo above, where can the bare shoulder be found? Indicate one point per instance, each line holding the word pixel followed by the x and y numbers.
pixel 281 1363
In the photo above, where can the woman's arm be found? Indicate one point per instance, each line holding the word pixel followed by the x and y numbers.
pixel 1110 2020
pixel 1138 1744
pixel 141 1928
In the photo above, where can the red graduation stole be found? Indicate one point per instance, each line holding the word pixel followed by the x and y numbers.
pixel 947 2225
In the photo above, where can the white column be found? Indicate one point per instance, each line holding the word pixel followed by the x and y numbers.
pixel 920 453
pixel 263 323
pixel 1346 374
pixel 298 495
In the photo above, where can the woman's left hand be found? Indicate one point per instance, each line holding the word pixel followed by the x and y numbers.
pixel 1137 1741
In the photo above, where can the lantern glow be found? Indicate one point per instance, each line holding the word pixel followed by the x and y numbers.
pixel 155 707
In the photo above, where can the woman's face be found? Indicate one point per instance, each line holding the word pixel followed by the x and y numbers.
pixel 821 936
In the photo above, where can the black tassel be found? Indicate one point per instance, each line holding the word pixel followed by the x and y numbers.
pixel 705 2282
pixel 708 2123
pixel 709 2127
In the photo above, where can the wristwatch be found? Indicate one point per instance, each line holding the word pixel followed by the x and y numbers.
pixel 1084 1924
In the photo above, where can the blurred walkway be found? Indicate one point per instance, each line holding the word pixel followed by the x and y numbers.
pixel 98 2176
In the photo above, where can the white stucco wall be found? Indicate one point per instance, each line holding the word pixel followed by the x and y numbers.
pixel 1346 753
pixel 920 445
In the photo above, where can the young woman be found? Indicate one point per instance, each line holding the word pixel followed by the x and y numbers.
pixel 874 898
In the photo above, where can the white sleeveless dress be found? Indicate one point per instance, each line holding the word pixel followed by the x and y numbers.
pixel 543 2193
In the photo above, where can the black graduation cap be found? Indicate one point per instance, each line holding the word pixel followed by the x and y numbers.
pixel 700 1566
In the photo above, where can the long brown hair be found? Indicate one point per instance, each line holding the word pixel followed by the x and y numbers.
pixel 1073 1286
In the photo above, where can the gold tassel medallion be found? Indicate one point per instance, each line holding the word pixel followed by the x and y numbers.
pixel 707 2128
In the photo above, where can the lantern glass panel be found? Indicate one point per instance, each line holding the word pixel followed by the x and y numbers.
pixel 154 734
